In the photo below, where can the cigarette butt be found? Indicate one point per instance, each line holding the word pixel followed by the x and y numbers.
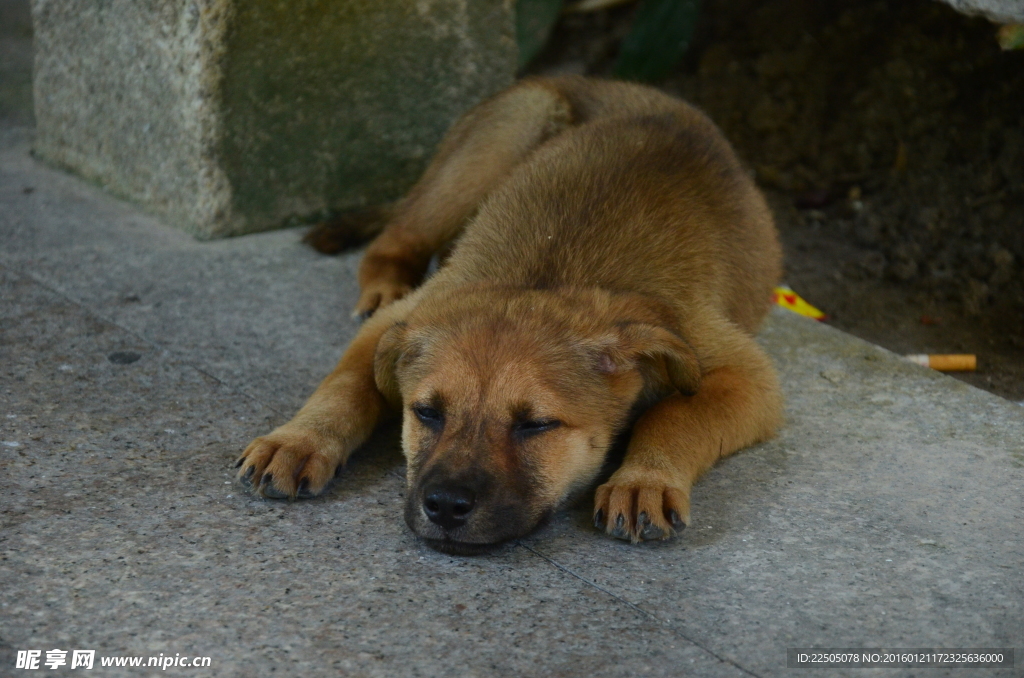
pixel 946 363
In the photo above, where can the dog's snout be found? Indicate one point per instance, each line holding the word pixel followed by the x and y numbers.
pixel 448 505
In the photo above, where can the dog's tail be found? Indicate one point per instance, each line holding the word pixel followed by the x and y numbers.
pixel 346 230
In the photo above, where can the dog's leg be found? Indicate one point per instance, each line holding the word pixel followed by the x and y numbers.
pixel 475 156
pixel 678 439
pixel 300 457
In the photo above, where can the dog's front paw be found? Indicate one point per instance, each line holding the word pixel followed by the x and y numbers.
pixel 639 505
pixel 292 461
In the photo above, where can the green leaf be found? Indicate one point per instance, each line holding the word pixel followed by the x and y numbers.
pixel 658 39
pixel 534 21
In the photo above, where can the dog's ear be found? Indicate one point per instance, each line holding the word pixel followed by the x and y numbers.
pixel 632 343
pixel 390 349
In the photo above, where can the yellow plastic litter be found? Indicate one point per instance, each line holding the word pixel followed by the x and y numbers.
pixel 788 299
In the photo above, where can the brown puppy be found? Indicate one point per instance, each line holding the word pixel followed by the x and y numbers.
pixel 613 261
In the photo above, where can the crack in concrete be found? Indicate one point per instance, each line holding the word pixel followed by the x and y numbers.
pixel 671 627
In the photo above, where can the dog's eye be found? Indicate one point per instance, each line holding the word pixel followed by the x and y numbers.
pixel 429 416
pixel 535 426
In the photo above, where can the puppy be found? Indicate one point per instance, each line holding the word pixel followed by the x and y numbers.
pixel 610 261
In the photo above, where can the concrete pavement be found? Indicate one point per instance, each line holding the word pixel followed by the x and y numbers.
pixel 136 362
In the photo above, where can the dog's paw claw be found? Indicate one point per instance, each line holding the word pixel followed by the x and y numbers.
pixel 648 530
pixel 644 509
pixel 267 489
pixel 619 531
pixel 304 492
pixel 362 315
pixel 377 295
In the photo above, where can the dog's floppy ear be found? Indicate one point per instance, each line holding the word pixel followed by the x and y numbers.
pixel 634 342
pixel 390 348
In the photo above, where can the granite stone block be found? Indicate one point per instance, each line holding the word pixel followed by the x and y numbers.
pixel 233 117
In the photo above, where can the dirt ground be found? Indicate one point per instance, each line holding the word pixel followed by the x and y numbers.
pixel 889 137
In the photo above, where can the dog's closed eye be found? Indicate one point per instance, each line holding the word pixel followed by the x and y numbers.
pixel 429 416
pixel 532 427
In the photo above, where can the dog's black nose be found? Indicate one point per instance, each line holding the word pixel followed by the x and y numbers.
pixel 448 505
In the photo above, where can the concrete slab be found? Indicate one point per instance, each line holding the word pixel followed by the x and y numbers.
pixel 124 534
pixel 888 513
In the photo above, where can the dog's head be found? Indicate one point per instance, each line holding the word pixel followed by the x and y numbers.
pixel 511 400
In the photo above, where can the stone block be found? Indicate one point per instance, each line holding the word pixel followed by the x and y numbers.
pixel 999 11
pixel 231 117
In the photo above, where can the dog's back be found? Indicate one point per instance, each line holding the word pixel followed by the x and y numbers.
pixel 641 194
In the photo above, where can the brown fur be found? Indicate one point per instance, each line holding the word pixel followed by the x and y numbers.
pixel 346 230
pixel 612 260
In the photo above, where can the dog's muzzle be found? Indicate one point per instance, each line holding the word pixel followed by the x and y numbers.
pixel 465 515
